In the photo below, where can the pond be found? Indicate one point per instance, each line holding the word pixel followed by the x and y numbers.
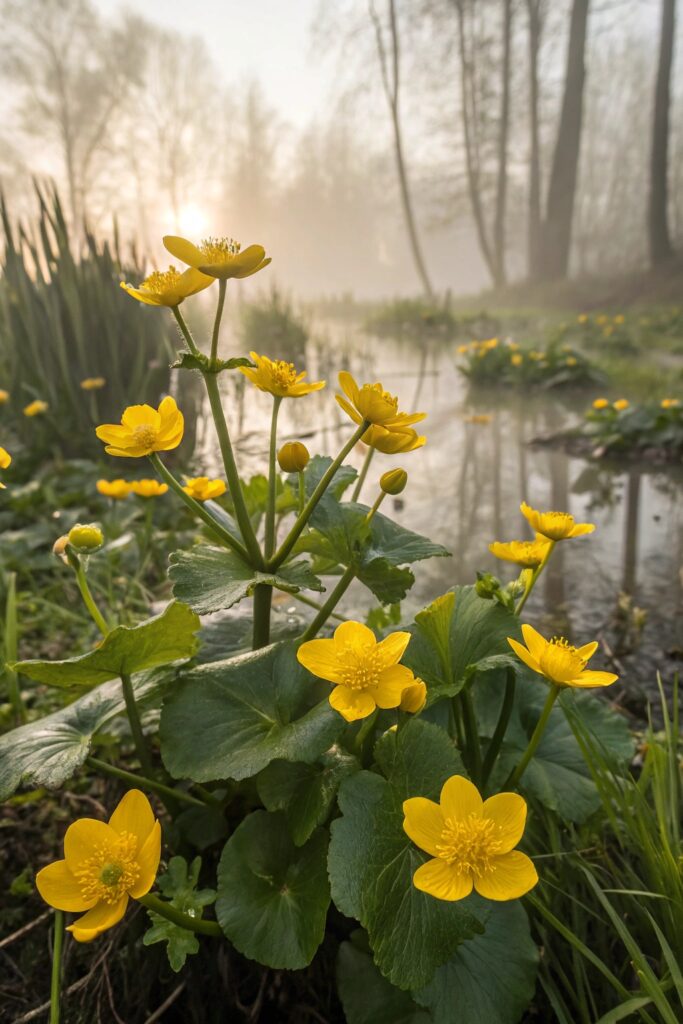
pixel 622 585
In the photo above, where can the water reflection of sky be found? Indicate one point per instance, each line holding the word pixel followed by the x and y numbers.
pixel 465 487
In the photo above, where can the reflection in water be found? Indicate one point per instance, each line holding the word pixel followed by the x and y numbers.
pixel 466 485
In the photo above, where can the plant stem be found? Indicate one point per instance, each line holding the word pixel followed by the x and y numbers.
pixel 185 330
pixel 88 599
pixel 222 283
pixel 363 473
pixel 241 513
pixel 302 491
pixel 516 775
pixel 272 480
pixel 330 604
pixel 56 980
pixel 11 645
pixel 324 482
pixel 536 573
pixel 501 726
pixel 197 508
pixel 141 781
pixel 136 725
pixel 363 732
pixel 191 924
pixel 471 735
pixel 263 596
pixel 317 605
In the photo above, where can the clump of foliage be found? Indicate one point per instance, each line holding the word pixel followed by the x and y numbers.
pixel 272 325
pixel 501 361
pixel 652 429
pixel 413 318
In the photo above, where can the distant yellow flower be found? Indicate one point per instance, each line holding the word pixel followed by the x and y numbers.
pixel 490 343
pixel 602 319
pixel 516 358
pixel 527 553
pixel 168 287
pixel 218 257
pixel 148 488
pixel 144 430
pixel 558 661
pixel 279 378
pixel 471 842
pixel 461 349
pixel 93 383
pixel 293 457
pixel 571 360
pixel 116 489
pixel 104 865
pixel 619 318
pixel 366 673
pixel 5 458
pixel 479 419
pixel 4 396
pixel 670 403
pixel 554 525
pixel 372 403
pixel 601 403
pixel 35 408
pixel 620 404
pixel 582 318
pixel 202 489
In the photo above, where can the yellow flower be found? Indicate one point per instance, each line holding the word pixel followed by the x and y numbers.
pixel 293 457
pixel 279 378
pixel 393 442
pixel 602 319
pixel 558 661
pixel 372 403
pixel 93 383
pixel 480 420
pixel 5 458
pixel 571 360
pixel 144 430
pixel 601 403
pixel 4 396
pixel 527 553
pixel 202 489
pixel 414 697
pixel 148 488
pixel 103 865
pixel 666 403
pixel 619 318
pixel 168 287
pixel 516 358
pixel 85 537
pixel 35 408
pixel 461 349
pixel 218 257
pixel 366 673
pixel 472 843
pixel 620 404
pixel 554 525
pixel 116 489
pixel 582 318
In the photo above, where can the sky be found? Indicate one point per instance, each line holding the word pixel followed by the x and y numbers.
pixel 268 40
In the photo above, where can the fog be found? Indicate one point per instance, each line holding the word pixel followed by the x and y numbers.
pixel 375 149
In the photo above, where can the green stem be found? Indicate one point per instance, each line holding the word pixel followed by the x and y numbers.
pixel 363 732
pixel 197 508
pixel 471 735
pixel 241 513
pixel 222 284
pixel 191 924
pixel 142 782
pixel 56 981
pixel 11 648
pixel 324 482
pixel 516 775
pixel 136 725
pixel 263 596
pixel 185 330
pixel 536 573
pixel 330 604
pixel 272 480
pixel 88 599
pixel 302 491
pixel 317 605
pixel 363 473
pixel 501 727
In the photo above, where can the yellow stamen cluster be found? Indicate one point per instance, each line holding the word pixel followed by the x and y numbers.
pixel 284 374
pixel 161 281
pixel 110 872
pixel 219 250
pixel 145 434
pixel 561 661
pixel 468 845
pixel 386 396
pixel 361 668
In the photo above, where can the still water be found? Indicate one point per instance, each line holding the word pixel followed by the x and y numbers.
pixel 621 585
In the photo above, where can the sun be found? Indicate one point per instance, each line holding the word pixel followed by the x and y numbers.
pixel 192 220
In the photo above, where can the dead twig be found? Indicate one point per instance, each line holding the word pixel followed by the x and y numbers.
pixel 165 1005
pixel 23 930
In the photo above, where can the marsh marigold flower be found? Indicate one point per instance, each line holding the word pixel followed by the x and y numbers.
pixel 202 489
pixel 144 430
pixel 365 672
pixel 471 842
pixel 601 403
pixel 117 490
pixel 554 525
pixel 414 697
pixel 4 396
pixel 5 460
pixel 148 488
pixel 168 287
pixel 218 257
pixel 36 408
pixel 93 383
pixel 391 431
pixel 558 661
pixel 621 404
pixel 516 358
pixel 293 457
pixel 527 553
pixel 669 403
pixel 104 865
pixel 278 377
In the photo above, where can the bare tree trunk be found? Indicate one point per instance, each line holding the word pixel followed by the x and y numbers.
pixel 500 275
pixel 534 223
pixel 391 85
pixel 661 249
pixel 557 226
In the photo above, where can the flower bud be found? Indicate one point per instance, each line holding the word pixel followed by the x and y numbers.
pixel 414 697
pixel 59 546
pixel 393 481
pixel 85 537
pixel 293 457
pixel 487 585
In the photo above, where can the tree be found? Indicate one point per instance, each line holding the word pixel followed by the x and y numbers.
pixel 535 13
pixel 661 249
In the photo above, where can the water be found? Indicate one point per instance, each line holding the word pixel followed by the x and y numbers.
pixel 465 487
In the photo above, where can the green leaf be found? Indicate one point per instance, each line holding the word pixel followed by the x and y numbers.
pixel 50 750
pixel 372 860
pixel 209 579
pixel 316 469
pixel 248 711
pixel 161 640
pixel 492 977
pixel 179 886
pixel 305 792
pixel 190 361
pixel 272 895
pixel 367 997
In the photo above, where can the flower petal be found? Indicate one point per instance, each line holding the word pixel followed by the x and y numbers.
pixel 392 682
pixel 525 656
pixel 356 634
pixel 508 811
pixel 440 879
pixel 579 529
pixel 348 386
pixel 510 877
pixel 141 415
pixel 193 281
pixel 261 266
pixel 83 836
pixel 320 658
pixel 423 822
pixel 392 648
pixel 59 888
pixel 460 798
pixel 349 409
pixel 588 650
pixel 142 295
pixel 351 704
pixel 589 678
pixel 147 859
pixel 102 916
pixel 536 644
pixel 134 814
pixel 183 250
